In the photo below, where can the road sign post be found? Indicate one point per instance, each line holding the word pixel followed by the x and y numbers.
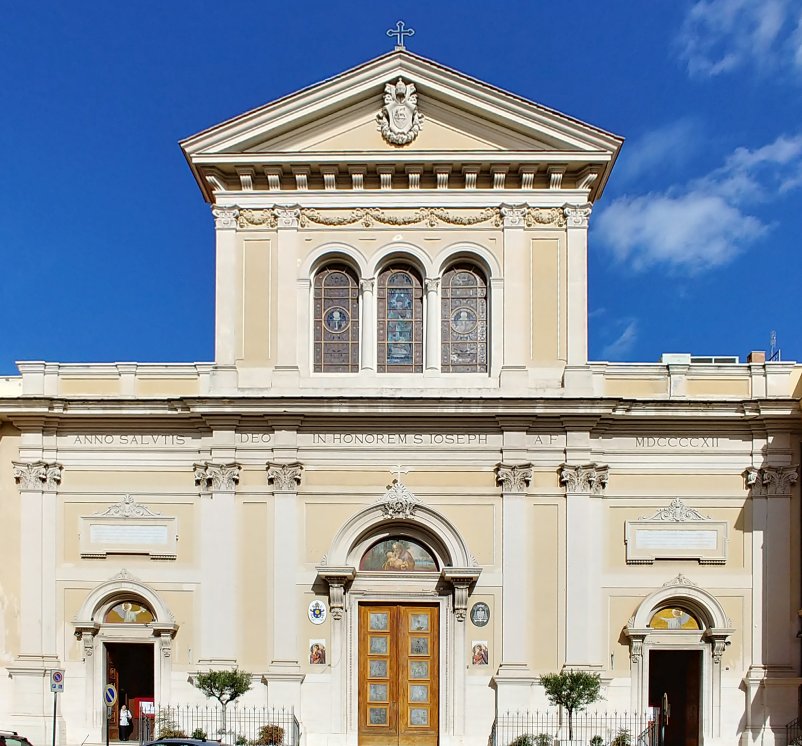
pixel 57 687
pixel 109 699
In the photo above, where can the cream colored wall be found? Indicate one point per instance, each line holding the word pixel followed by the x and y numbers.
pixel 254 591
pixel 719 387
pixel 159 387
pixel 89 386
pixel 548 296
pixel 260 303
pixel 543 603
pixel 633 388
pixel 11 543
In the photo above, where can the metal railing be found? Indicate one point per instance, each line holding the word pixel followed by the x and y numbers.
pixel 793 733
pixel 243 726
pixel 543 728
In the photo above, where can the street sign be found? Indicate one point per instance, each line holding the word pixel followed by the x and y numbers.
pixel 110 695
pixel 57 681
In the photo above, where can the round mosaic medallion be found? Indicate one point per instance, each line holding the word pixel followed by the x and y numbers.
pixel 337 320
pixel 463 320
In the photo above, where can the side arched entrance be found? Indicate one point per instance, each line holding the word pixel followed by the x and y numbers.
pixel 399 577
pixel 677 638
pixel 126 633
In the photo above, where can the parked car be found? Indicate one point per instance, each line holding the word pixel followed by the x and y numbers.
pixel 182 742
pixel 12 738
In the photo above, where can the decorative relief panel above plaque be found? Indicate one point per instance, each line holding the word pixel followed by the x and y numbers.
pixel 127 527
pixel 676 532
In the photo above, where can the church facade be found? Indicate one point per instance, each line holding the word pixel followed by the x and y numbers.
pixel 401 492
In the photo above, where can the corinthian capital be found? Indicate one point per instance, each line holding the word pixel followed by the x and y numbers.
pixel 590 478
pixel 225 217
pixel 578 215
pixel 217 477
pixel 771 480
pixel 284 477
pixel 37 475
pixel 514 477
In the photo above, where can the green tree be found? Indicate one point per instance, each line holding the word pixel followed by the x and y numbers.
pixel 573 690
pixel 225 686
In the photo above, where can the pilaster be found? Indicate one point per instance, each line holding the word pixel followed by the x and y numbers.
pixel 228 293
pixel 217 483
pixel 516 274
pixel 367 327
pixel 38 482
pixel 577 378
pixel 284 676
pixel 513 680
pixel 774 623
pixel 584 485
pixel 433 324
pixel 287 353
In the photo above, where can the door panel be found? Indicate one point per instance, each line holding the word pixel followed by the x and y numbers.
pixel 398 675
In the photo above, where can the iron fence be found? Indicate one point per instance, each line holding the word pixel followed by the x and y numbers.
pixel 242 726
pixel 793 733
pixel 543 728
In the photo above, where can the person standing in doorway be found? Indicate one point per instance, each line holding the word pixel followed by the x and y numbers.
pixel 125 723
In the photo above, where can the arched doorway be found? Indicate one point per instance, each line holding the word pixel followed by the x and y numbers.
pixel 399 576
pixel 126 632
pixel 677 638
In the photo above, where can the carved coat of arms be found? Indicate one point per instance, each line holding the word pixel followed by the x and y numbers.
pixel 399 120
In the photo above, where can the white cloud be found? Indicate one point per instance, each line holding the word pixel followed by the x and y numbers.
pixel 668 146
pixel 719 36
pixel 708 221
pixel 624 343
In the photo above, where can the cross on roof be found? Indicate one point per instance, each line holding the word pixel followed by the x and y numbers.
pixel 400 32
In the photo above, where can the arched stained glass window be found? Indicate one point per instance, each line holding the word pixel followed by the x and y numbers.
pixel 336 320
pixel 400 321
pixel 129 611
pixel 463 320
pixel 674 617
pixel 398 554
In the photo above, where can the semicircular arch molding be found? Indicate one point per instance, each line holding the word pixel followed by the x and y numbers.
pixel 107 594
pixel 471 252
pixel 425 524
pixel 404 252
pixel 704 605
pixel 334 252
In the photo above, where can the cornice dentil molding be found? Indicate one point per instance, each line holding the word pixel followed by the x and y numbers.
pixel 285 477
pixel 514 477
pixel 37 475
pixel 212 477
pixel 590 478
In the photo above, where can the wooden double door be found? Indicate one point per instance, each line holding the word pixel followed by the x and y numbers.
pixel 398 675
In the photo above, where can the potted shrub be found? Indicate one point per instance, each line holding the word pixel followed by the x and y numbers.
pixel 572 690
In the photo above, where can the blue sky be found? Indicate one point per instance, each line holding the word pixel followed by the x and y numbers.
pixel 107 246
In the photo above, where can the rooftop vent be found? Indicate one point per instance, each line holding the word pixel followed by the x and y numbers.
pixel 685 358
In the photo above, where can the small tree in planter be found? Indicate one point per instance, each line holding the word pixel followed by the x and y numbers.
pixel 225 686
pixel 573 690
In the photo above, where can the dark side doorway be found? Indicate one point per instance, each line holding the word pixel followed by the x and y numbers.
pixel 675 687
pixel 129 666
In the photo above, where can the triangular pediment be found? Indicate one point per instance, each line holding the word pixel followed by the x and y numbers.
pixel 445 128
pixel 462 118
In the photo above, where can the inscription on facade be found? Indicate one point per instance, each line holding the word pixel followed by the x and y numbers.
pixel 677 441
pixel 126 439
pixel 675 539
pixel 104 533
pixel 399 439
